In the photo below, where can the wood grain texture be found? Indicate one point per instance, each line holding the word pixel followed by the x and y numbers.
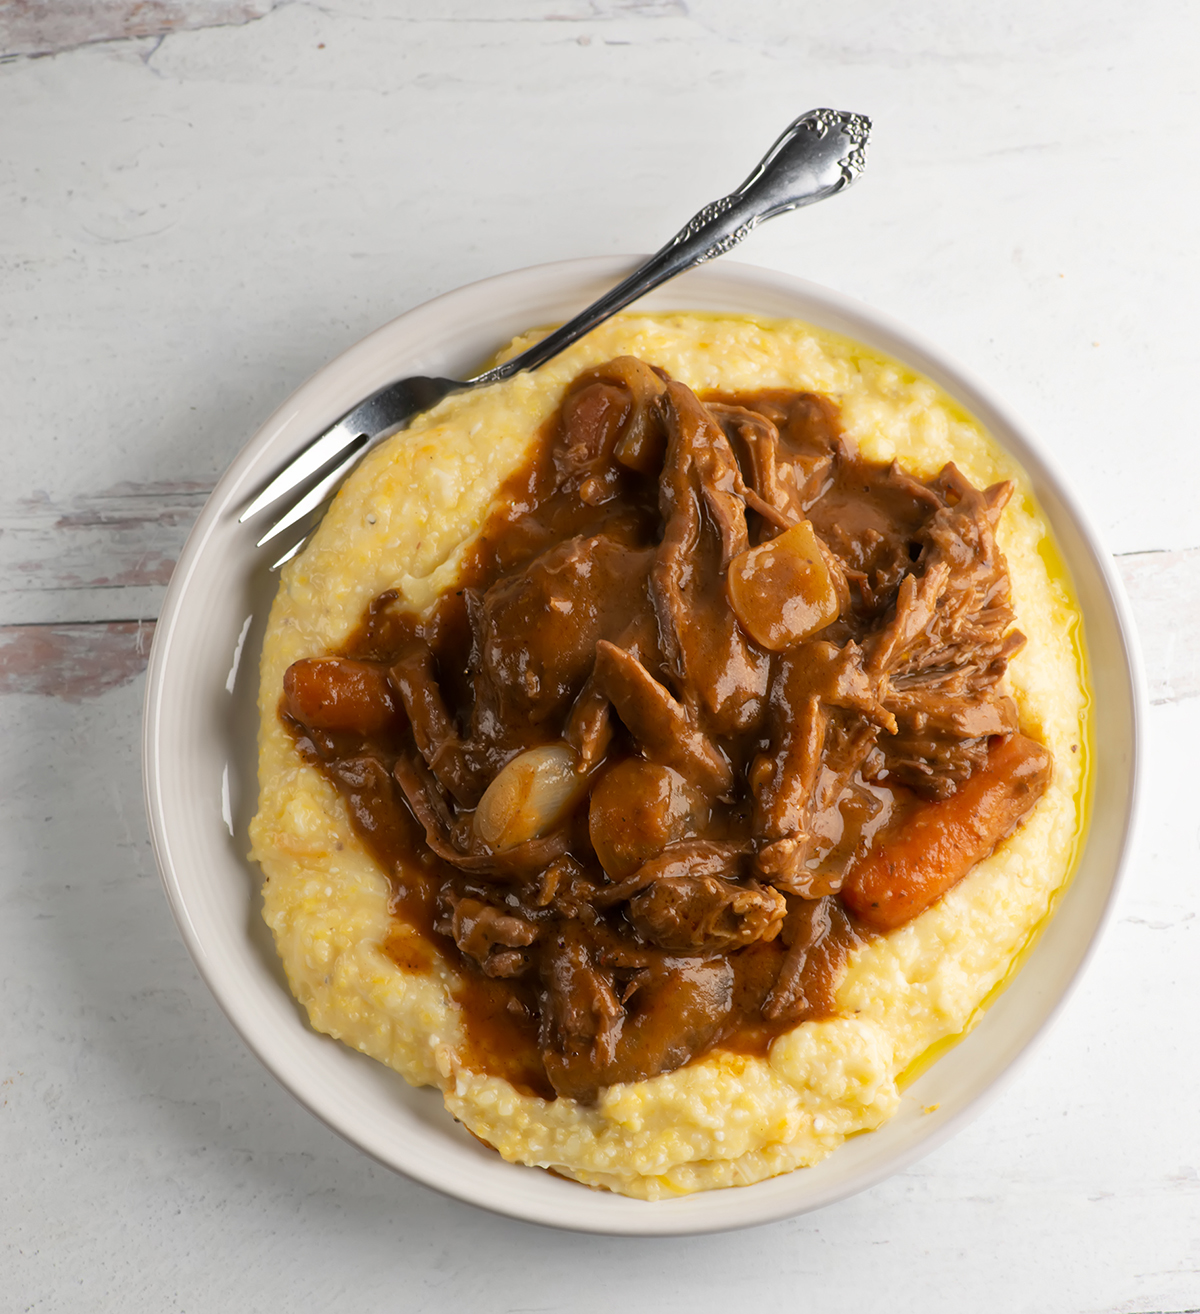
pixel 108 556
pixel 49 27
pixel 1164 593
pixel 72 662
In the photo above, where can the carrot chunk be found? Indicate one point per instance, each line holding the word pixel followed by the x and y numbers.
pixel 336 693
pixel 934 847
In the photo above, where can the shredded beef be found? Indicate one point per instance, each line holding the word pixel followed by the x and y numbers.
pixel 704 827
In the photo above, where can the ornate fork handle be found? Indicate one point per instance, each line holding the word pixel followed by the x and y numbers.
pixel 820 154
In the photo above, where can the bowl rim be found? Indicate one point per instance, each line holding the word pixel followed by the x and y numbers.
pixel 285 430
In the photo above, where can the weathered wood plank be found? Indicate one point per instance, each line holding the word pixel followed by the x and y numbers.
pixel 72 662
pixel 48 27
pixel 104 556
pixel 80 569
pixel 1164 592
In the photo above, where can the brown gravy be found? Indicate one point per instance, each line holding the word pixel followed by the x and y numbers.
pixel 580 964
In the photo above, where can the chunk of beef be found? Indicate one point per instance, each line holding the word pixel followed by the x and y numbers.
pixel 945 722
pixel 787 444
pixel 588 728
pixel 609 412
pixel 540 626
pixel 683 858
pixel 493 938
pixel 434 731
pixel 702 500
pixel 807 923
pixel 705 914
pixel 593 416
pixel 810 425
pixel 947 643
pixel 954 611
pixel 581 1017
pixel 819 937
pixel 869 517
pixel 798 784
pixel 590 1041
pixel 688 899
pixel 755 440
pixel 663 728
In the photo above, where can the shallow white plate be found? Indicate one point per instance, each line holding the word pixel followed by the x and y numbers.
pixel 200 751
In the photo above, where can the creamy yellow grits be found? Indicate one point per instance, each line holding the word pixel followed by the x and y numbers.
pixel 403 521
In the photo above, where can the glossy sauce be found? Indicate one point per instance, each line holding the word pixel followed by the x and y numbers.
pixel 867 514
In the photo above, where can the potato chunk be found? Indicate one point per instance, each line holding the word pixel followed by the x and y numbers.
pixel 637 809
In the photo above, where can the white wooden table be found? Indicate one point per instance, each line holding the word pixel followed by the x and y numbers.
pixel 201 201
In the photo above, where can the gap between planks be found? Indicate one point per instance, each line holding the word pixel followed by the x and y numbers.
pixel 72 574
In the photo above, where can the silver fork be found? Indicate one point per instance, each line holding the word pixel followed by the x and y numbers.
pixel 821 153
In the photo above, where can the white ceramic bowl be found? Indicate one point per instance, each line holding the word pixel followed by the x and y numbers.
pixel 200 758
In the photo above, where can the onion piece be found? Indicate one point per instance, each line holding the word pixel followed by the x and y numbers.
pixel 781 591
pixel 531 795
